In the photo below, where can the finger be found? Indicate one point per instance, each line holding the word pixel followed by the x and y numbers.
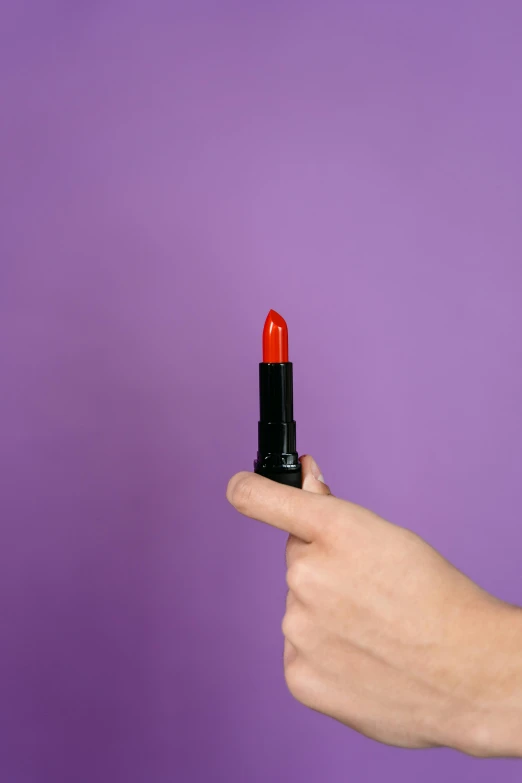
pixel 313 480
pixel 286 508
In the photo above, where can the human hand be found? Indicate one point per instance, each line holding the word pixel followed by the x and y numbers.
pixel 382 633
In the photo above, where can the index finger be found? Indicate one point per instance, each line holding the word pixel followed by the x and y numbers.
pixel 286 508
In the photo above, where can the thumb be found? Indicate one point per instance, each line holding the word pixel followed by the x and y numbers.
pixel 286 508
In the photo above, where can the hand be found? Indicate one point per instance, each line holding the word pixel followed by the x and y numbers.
pixel 383 634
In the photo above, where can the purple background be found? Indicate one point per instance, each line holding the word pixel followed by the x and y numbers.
pixel 169 172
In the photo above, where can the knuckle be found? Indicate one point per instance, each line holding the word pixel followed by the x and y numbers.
pixel 291 626
pixel 239 491
pixel 297 681
pixel 298 577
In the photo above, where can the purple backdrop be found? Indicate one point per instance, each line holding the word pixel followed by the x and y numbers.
pixel 169 172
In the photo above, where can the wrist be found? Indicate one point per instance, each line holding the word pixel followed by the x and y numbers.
pixel 494 724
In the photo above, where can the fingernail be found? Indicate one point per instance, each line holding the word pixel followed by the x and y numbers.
pixel 316 472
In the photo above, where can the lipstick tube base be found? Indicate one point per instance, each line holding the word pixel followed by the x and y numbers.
pixel 291 475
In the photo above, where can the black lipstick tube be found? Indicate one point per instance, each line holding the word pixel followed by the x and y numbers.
pixel 277 456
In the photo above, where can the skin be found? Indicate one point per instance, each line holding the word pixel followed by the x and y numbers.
pixel 382 633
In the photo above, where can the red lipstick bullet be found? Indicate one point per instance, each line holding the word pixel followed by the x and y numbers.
pixel 277 456
pixel 275 339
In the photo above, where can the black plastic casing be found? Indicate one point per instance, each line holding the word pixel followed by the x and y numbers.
pixel 277 456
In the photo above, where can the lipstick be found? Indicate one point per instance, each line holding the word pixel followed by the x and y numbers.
pixel 277 456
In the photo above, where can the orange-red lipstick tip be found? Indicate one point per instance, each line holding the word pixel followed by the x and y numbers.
pixel 275 339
